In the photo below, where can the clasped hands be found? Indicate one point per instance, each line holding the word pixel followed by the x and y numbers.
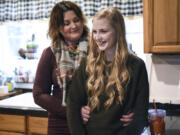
pixel 126 118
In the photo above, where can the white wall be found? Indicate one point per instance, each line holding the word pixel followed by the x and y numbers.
pixel 164 78
pixel 163 70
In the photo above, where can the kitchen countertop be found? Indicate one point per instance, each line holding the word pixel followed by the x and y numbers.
pixel 24 85
pixel 21 104
pixel 172 125
pixel 24 104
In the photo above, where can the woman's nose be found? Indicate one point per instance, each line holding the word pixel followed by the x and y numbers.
pixel 73 25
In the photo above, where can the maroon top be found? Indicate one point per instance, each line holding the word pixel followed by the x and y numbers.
pixel 48 94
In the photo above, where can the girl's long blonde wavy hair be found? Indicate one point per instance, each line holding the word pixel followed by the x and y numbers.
pixel 119 75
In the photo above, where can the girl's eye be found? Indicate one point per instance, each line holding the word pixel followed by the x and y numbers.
pixel 103 31
pixel 94 32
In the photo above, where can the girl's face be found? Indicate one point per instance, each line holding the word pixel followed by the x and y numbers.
pixel 73 27
pixel 104 35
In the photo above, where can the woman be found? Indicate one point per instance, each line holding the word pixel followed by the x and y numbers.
pixel 112 82
pixel 58 62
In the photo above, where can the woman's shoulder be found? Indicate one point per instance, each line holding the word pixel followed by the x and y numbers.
pixel 47 54
pixel 47 51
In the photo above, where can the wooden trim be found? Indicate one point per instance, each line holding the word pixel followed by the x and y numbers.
pixel 148 25
pixel 169 49
pixel 178 16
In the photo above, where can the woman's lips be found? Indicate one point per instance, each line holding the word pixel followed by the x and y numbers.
pixel 75 31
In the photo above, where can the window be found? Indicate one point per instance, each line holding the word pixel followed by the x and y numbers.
pixel 15 35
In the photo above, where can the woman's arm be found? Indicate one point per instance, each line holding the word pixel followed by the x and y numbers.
pixel 43 82
pixel 85 113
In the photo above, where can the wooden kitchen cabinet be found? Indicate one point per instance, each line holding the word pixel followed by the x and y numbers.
pixel 12 124
pixel 37 125
pixel 21 117
pixel 23 125
pixel 161 26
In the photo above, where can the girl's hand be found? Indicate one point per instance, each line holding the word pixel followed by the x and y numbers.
pixel 127 119
pixel 85 113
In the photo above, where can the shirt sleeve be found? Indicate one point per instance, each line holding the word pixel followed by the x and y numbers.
pixel 43 83
pixel 76 99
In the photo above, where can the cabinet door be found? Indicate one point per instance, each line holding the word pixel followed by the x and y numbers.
pixel 12 123
pixel 37 125
pixel 161 26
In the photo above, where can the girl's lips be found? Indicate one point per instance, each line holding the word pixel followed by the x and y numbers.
pixel 101 43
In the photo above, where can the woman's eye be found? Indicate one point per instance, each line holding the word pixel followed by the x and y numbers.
pixel 76 20
pixel 66 23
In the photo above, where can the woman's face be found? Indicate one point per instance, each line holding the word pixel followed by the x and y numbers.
pixel 73 27
pixel 104 35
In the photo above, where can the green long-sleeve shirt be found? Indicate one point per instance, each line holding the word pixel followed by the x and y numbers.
pixel 107 122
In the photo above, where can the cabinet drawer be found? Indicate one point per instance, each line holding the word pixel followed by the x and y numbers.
pixel 10 133
pixel 14 123
pixel 37 125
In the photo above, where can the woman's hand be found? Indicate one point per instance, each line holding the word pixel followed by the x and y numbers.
pixel 85 113
pixel 127 119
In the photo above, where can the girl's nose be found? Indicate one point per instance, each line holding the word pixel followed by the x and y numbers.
pixel 98 36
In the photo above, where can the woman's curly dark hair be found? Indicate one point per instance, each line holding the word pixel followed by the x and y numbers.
pixel 57 19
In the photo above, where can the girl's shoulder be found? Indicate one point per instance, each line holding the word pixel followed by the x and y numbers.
pixel 134 60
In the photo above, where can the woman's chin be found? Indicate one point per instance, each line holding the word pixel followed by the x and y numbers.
pixel 75 38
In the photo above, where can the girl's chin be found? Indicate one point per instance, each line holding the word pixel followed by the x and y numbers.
pixel 102 48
